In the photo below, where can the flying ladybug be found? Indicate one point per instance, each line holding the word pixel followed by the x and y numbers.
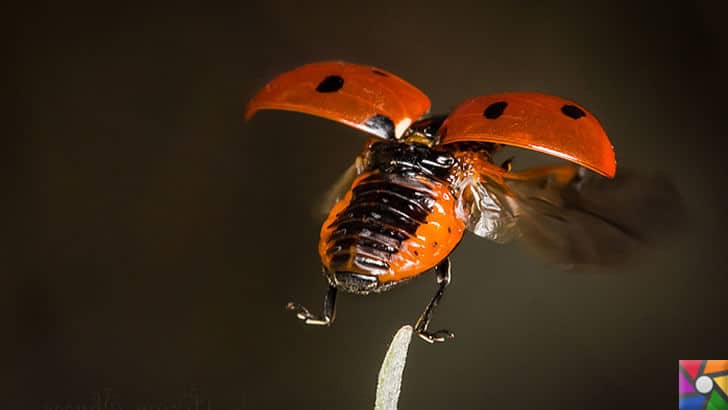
pixel 423 180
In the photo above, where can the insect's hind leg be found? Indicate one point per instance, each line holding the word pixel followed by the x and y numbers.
pixel 442 272
pixel 329 313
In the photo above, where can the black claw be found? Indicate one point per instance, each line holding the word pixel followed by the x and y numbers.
pixel 439 336
pixel 310 319
pixel 301 312
pixel 507 164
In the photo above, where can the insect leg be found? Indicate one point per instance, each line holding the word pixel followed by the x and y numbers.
pixel 442 272
pixel 310 319
pixel 507 164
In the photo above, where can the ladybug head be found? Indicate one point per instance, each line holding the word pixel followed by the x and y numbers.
pixel 424 130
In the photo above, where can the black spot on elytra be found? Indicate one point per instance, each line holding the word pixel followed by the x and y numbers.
pixel 573 111
pixel 377 72
pixel 417 253
pixel 330 84
pixel 380 125
pixel 449 230
pixel 495 110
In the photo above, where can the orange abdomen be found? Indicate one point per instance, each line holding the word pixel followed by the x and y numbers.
pixel 389 227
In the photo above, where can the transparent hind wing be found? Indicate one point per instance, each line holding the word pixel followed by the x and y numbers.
pixel 486 210
pixel 570 216
pixel 338 189
pixel 595 222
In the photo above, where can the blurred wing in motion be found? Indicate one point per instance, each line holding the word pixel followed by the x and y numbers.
pixel 570 216
pixel 338 189
pixel 591 221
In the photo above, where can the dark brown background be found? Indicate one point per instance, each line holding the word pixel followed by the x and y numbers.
pixel 154 237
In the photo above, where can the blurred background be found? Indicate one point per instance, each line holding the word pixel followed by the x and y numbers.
pixel 153 238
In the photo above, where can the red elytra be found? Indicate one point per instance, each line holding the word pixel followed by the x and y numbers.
pixel 539 122
pixel 362 96
pixel 351 94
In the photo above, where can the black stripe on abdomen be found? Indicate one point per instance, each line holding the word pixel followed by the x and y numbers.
pixel 384 211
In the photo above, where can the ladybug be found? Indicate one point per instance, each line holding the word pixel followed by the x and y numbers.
pixel 404 205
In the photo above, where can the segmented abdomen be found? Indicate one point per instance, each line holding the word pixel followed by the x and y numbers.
pixel 391 226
